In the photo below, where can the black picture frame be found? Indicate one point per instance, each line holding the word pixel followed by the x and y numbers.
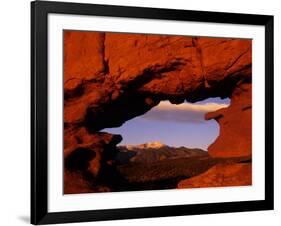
pixel 39 112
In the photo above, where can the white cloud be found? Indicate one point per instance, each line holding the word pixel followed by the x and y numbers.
pixel 185 112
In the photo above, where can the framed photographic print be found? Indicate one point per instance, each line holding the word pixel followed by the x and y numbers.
pixel 145 112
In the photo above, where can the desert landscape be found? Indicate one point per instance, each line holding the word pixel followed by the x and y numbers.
pixel 111 79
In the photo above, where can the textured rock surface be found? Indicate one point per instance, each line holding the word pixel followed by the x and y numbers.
pixel 101 145
pixel 235 138
pixel 110 78
pixel 220 175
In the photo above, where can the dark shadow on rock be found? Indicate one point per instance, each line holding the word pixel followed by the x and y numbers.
pixel 79 159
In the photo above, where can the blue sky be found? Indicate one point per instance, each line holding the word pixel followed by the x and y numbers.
pixel 174 125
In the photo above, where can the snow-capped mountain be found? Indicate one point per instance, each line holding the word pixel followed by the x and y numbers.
pixel 155 151
pixel 154 144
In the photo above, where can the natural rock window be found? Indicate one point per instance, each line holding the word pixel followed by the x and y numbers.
pixel 111 78
pixel 174 125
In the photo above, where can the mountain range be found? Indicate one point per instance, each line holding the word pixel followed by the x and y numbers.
pixel 154 152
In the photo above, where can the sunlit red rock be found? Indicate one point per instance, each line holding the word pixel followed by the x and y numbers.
pixel 83 57
pixel 235 137
pixel 221 175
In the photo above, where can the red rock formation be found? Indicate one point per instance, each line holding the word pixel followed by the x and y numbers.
pixel 83 57
pixel 221 175
pixel 110 78
pixel 235 138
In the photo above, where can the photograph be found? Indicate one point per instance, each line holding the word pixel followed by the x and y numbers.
pixel 155 111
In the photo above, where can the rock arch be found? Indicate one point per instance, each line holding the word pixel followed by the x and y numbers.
pixel 110 78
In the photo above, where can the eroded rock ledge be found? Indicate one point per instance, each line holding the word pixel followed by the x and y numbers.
pixel 110 78
pixel 221 175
